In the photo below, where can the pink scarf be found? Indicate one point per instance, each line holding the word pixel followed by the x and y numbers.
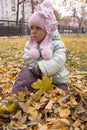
pixel 46 48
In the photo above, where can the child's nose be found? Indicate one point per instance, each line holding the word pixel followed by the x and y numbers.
pixel 34 31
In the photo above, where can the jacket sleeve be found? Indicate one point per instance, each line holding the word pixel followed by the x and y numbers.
pixel 27 60
pixel 51 67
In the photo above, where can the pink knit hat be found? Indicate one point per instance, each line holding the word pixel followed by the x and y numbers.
pixel 44 17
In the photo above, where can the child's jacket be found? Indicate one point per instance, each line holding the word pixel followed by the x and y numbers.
pixel 55 67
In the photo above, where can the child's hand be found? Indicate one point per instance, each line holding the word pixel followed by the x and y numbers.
pixel 35 70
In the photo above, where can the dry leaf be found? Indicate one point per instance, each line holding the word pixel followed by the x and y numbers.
pixel 32 112
pixel 18 125
pixel 42 127
pixel 77 128
pixel 73 100
pixel 18 115
pixel 49 105
pixel 64 112
pixel 77 123
pixel 23 107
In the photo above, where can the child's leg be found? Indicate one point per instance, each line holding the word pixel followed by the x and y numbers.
pixel 24 79
pixel 62 86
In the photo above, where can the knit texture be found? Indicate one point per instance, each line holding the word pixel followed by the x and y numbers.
pixel 44 17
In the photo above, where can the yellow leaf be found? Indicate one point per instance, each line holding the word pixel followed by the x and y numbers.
pixel 10 108
pixel 42 86
pixel 10 77
pixel 45 84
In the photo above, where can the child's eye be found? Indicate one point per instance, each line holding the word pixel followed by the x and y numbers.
pixel 38 28
pixel 35 27
pixel 32 27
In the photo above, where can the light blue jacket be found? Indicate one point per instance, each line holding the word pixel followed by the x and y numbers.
pixel 54 67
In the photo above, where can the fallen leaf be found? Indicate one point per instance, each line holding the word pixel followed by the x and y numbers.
pixel 64 112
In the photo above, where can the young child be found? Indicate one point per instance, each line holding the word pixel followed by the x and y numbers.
pixel 44 52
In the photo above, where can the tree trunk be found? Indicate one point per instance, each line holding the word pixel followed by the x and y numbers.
pixel 17 14
pixel 32 5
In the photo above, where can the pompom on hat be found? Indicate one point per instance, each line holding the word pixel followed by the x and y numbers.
pixel 45 18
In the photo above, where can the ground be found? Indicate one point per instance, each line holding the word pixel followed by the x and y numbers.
pixel 54 109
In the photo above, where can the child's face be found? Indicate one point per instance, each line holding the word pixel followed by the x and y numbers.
pixel 37 33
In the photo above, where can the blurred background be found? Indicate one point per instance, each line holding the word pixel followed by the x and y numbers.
pixel 15 14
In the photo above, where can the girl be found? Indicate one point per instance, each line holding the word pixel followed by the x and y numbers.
pixel 44 53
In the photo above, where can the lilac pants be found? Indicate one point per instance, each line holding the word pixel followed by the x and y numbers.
pixel 26 78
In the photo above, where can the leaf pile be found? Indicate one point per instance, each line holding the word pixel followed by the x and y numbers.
pixel 49 108
pixel 54 109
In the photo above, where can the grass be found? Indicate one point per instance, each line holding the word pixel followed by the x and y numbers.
pixel 76 51
pixel 12 49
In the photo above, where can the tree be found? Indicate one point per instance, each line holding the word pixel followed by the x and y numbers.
pixel 17 14
pixel 77 9
pixel 32 5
